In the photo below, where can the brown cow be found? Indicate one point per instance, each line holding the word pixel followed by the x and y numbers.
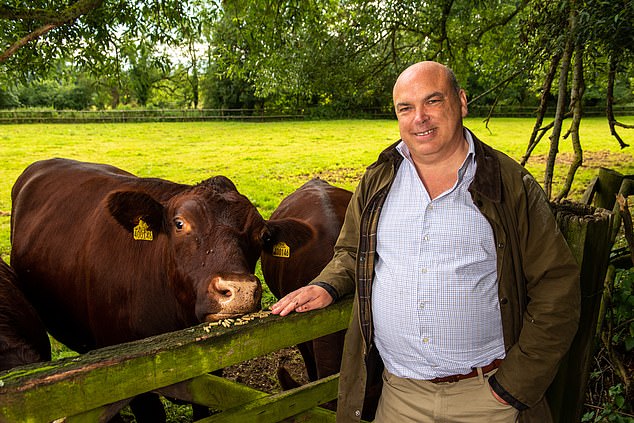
pixel 23 339
pixel 107 257
pixel 308 222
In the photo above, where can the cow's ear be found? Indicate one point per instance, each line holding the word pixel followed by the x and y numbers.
pixel 290 232
pixel 129 207
pixel 220 184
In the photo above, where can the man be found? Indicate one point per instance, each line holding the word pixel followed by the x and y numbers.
pixel 466 294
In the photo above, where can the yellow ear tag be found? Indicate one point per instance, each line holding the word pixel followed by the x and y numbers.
pixel 281 250
pixel 141 232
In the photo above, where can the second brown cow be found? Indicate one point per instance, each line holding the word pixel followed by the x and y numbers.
pixel 308 222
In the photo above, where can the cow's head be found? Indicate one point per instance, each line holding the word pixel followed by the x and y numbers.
pixel 213 237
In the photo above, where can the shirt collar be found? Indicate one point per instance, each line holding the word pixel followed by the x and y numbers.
pixel 401 147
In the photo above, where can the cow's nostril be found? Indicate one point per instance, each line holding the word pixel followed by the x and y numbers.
pixel 226 293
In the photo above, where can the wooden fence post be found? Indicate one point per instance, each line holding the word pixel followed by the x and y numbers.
pixel 587 231
pixel 602 190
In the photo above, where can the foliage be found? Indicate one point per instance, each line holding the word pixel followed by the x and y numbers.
pixel 123 44
pixel 608 396
pixel 327 58
pixel 87 30
pixel 8 99
pixel 613 410
pixel 349 53
pixel 76 95
pixel 622 312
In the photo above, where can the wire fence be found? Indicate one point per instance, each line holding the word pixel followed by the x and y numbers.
pixel 23 116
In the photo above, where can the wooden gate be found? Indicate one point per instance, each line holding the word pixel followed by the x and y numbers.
pixel 93 386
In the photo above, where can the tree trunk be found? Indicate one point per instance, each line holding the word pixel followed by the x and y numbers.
pixel 538 131
pixel 610 100
pixel 194 81
pixel 561 101
pixel 576 104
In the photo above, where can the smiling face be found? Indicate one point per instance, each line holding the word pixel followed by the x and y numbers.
pixel 430 108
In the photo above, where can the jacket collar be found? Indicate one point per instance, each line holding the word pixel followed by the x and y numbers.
pixel 488 178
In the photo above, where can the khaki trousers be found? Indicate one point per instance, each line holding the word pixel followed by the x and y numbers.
pixel 420 401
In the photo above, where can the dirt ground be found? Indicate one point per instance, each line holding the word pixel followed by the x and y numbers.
pixel 261 373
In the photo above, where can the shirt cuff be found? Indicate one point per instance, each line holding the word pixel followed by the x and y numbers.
pixel 495 385
pixel 329 288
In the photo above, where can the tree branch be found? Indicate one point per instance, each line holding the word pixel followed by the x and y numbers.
pixel 499 84
pixel 489 26
pixel 541 110
pixel 609 111
pixel 626 217
pixel 14 14
pixel 561 106
pixel 576 104
pixel 51 21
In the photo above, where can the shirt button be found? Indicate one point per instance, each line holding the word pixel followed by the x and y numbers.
pixel 422 306
pixel 357 413
pixel 425 340
pixel 426 238
pixel 424 270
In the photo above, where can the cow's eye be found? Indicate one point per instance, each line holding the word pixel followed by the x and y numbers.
pixel 179 224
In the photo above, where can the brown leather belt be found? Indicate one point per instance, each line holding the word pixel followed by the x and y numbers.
pixel 455 378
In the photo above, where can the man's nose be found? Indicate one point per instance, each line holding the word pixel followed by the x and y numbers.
pixel 421 115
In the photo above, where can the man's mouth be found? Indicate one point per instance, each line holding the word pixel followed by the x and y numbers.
pixel 422 134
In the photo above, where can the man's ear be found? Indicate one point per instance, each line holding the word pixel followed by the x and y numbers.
pixel 129 207
pixel 462 95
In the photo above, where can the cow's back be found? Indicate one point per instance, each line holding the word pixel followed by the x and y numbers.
pixel 62 236
pixel 23 339
pixel 60 193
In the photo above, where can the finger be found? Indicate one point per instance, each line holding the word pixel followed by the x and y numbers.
pixel 285 305
pixel 291 306
pixel 282 302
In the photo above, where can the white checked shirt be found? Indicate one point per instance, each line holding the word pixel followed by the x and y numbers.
pixel 435 292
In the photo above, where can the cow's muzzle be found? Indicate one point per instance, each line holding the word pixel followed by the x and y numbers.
pixel 232 295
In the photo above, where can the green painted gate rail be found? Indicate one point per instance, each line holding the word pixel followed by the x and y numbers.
pixel 93 386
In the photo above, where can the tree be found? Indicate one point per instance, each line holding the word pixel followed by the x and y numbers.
pixel 41 21
pixel 34 37
pixel 146 69
pixel 348 53
pixel 596 31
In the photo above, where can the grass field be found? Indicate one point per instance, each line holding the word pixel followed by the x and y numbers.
pixel 267 161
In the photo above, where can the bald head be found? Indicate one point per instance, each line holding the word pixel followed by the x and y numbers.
pixel 429 107
pixel 426 69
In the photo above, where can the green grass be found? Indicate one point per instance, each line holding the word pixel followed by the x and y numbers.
pixel 267 161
